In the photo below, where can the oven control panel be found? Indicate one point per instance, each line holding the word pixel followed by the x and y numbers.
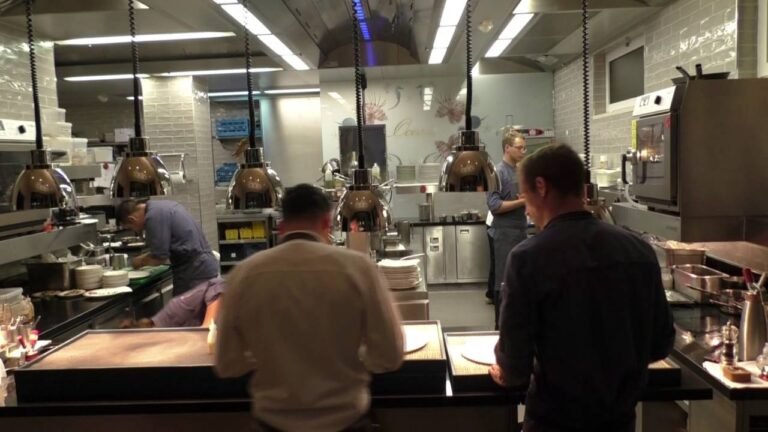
pixel 654 103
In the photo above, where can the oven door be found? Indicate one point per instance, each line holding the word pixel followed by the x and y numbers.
pixel 655 170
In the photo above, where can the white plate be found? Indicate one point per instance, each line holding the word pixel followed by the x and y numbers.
pixel 137 274
pixel 115 274
pixel 70 293
pixel 480 352
pixel 398 264
pixel 90 268
pixel 405 285
pixel 107 292
pixel 413 340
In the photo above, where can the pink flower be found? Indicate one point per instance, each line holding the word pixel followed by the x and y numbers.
pixel 451 108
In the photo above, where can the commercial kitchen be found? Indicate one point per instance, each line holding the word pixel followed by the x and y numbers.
pixel 221 105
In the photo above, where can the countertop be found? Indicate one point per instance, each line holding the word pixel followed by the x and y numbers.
pixel 696 326
pixel 417 222
pixel 59 315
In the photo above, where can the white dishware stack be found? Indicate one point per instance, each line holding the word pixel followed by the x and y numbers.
pixel 401 275
pixel 89 277
pixel 428 172
pixel 115 278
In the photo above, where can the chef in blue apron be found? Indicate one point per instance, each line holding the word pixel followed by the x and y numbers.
pixel 509 224
pixel 174 236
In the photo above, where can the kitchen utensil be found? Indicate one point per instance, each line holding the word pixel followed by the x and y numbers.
pixel 404 230
pixel 748 278
pixel 753 327
pixel 119 261
pixel 697 281
pixel 107 292
pixel 671 253
pixel 425 212
pixel 729 334
pixel 44 276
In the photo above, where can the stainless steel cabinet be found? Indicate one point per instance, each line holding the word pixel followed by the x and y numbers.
pixel 472 253
pixel 456 253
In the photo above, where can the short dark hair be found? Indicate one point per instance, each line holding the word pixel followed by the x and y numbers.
pixel 303 202
pixel 559 166
pixel 125 209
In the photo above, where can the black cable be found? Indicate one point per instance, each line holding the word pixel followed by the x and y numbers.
pixel 138 113
pixel 33 69
pixel 249 81
pixel 585 83
pixel 468 110
pixel 359 83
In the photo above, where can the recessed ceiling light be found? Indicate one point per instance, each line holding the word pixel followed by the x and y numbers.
pixel 103 77
pixel 296 62
pixel 246 18
pixel 220 71
pixel 510 32
pixel 292 91
pixel 452 12
pixel 276 45
pixel 443 37
pixel 498 48
pixel 437 55
pixel 160 37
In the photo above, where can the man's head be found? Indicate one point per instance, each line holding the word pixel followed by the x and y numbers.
pixel 513 146
pixel 131 214
pixel 306 208
pixel 552 183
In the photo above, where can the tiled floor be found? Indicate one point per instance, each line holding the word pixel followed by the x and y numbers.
pixel 460 307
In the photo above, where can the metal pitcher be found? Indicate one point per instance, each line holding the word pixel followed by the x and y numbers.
pixel 754 328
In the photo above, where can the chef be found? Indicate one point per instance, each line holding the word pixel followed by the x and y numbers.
pixel 507 208
pixel 197 307
pixel 171 235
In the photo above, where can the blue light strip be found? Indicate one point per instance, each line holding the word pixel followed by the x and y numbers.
pixel 357 5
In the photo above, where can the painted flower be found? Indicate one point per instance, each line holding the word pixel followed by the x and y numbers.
pixel 451 108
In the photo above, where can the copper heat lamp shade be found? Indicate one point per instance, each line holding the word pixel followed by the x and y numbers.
pixel 468 168
pixel 255 185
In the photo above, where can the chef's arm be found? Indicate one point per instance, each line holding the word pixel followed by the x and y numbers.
pixel 383 331
pixel 211 311
pixel 498 206
pixel 230 360
pixel 514 350
pixel 147 259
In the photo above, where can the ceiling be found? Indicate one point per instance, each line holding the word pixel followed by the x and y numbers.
pixel 318 30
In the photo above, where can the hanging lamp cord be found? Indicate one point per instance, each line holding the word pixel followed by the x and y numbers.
pixel 138 112
pixel 249 80
pixel 33 72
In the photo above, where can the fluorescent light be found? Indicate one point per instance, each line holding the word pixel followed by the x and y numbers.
pixel 232 93
pixel 159 37
pixel 295 62
pixel 335 95
pixel 293 91
pixel 452 12
pixel 103 77
pixel 276 45
pixel 443 37
pixel 221 2
pixel 246 18
pixel 510 32
pixel 437 55
pixel 515 26
pixel 427 98
pixel 498 48
pixel 219 71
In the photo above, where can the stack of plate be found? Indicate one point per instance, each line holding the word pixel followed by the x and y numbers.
pixel 89 277
pixel 429 173
pixel 401 275
pixel 405 173
pixel 115 278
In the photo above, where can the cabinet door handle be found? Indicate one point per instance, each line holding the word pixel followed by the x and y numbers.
pixel 434 248
pixel 464 231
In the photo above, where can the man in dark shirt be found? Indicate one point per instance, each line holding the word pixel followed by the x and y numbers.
pixel 583 308
pixel 172 234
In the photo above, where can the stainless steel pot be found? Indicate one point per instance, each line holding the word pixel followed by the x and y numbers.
pixel 698 281
pixel 56 276
pixel 118 261
pixel 425 212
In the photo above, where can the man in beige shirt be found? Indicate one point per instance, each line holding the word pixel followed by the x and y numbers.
pixel 312 322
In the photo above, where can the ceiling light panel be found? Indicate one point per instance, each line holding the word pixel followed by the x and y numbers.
pixel 437 55
pixel 103 77
pixel 510 32
pixel 293 91
pixel 246 18
pixel 160 37
pixel 452 12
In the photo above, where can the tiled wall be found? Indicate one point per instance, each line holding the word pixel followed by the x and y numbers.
pixel 685 33
pixel 177 120
pixel 93 121
pixel 15 81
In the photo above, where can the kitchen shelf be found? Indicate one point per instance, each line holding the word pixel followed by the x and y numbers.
pixel 244 241
pixel 416 188
pixel 19 248
pixel 229 263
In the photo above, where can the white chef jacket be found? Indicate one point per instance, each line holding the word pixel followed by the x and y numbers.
pixel 311 321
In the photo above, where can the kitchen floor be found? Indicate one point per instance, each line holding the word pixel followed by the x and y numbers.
pixel 460 307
